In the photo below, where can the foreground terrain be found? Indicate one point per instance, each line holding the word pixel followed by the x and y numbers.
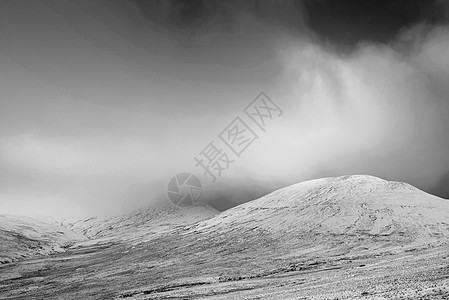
pixel 353 237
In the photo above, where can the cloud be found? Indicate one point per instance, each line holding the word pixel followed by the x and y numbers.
pixel 381 110
pixel 109 95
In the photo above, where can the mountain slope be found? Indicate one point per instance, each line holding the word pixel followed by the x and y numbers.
pixel 320 232
pixel 160 217
pixel 22 237
pixel 351 237
pixel 350 206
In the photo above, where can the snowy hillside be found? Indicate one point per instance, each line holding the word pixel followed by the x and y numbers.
pixel 22 237
pixel 143 223
pixel 339 213
pixel 347 237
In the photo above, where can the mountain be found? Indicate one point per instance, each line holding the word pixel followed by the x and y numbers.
pixel 350 237
pixel 343 237
pixel 357 208
pixel 23 237
pixel 141 223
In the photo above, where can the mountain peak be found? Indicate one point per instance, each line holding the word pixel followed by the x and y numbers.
pixel 346 206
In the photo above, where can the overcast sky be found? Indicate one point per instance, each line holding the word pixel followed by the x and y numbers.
pixel 97 97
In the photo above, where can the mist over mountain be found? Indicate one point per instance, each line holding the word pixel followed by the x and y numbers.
pixel 98 97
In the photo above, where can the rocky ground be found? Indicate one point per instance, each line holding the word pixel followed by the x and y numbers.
pixel 356 237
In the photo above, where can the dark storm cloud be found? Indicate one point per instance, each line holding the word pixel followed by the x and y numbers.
pixel 343 23
pixel 348 22
pixel 185 15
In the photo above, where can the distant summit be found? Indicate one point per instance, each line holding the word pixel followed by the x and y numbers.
pixel 161 216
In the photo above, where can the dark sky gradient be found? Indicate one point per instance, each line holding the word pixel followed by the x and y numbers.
pixel 343 23
pixel 346 23
pixel 98 97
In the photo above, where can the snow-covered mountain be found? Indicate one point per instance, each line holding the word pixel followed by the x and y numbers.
pixel 347 208
pixel 143 223
pixel 346 237
pixel 22 237
pixel 319 233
